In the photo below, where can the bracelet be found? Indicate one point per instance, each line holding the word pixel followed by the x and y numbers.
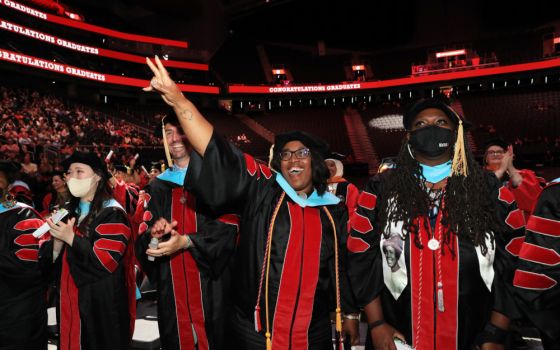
pixel 375 324
pixel 352 316
pixel 189 243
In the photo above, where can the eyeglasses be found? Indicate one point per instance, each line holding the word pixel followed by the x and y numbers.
pixel 301 153
pixel 495 153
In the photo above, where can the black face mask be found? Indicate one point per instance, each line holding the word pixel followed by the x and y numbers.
pixel 431 141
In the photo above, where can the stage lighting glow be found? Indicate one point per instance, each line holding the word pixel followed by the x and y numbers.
pixel 387 122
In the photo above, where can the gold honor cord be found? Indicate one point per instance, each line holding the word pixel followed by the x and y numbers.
pixel 266 272
pixel 270 155
pixel 266 264
pixel 338 324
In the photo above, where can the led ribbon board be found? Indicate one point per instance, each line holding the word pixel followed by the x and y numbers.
pixel 475 73
pixel 92 50
pixel 34 62
pixel 90 27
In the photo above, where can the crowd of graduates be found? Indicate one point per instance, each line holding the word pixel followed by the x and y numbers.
pixel 437 252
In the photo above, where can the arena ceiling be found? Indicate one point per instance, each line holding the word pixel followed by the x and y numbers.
pixel 365 25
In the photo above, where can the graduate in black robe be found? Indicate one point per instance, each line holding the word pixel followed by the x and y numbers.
pixel 432 242
pixel 538 275
pixel 93 250
pixel 192 265
pixel 289 264
pixel 23 310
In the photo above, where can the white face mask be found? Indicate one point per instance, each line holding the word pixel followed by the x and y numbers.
pixel 80 187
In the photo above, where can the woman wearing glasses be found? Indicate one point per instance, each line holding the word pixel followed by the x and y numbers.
pixel 524 184
pixel 289 259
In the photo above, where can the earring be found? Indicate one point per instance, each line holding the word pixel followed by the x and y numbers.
pixel 410 151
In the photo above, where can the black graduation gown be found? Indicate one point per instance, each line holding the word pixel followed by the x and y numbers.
pixel 97 286
pixel 537 277
pixel 408 285
pixel 193 285
pixel 23 320
pixel 302 263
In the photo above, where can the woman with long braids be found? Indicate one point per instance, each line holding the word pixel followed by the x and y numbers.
pixel 97 303
pixel 458 231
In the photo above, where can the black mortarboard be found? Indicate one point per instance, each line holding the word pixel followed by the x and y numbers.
pixel 88 158
pixel 496 141
pixel 170 118
pixel 124 168
pixel 120 167
pixel 314 143
pixel 155 165
pixel 423 104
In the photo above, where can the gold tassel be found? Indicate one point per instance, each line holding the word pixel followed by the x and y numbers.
pixel 270 155
pixel 162 167
pixel 165 144
pixel 268 341
pixel 459 165
pixel 128 170
pixel 338 320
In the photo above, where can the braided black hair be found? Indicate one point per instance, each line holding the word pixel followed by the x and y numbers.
pixel 469 210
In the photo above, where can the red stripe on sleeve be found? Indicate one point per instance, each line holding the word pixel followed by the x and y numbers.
pixel 367 200
pixel 544 226
pixel 505 195
pixel 26 240
pixel 147 216
pixel 251 165
pixel 113 229
pixel 539 255
pixel 534 281
pixel 230 219
pixel 361 223
pixel 142 228
pixel 514 246
pixel 109 244
pixel 356 245
pixel 28 224
pixel 28 254
pixel 265 171
pixel 515 219
pixel 106 259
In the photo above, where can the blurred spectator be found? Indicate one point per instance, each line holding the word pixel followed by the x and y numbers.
pixel 524 184
pixel 28 166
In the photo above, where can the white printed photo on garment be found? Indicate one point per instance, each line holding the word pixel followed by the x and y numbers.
pixel 393 260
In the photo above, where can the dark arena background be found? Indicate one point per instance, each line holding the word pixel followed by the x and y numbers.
pixel 71 73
